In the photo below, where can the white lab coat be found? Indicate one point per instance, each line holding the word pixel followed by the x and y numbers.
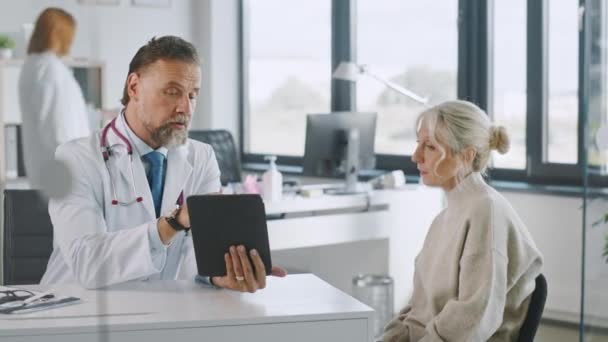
pixel 97 243
pixel 53 111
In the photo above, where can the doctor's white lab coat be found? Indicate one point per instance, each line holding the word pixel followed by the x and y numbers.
pixel 53 111
pixel 97 243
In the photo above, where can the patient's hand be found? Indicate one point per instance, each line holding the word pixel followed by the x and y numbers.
pixel 241 275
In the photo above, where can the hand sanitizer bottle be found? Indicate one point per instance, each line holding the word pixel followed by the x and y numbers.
pixel 272 182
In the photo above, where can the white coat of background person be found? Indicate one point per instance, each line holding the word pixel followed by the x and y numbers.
pixel 53 108
pixel 99 243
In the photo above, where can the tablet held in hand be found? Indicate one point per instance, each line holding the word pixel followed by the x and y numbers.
pixel 221 221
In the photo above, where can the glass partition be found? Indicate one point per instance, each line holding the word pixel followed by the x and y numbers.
pixel 594 277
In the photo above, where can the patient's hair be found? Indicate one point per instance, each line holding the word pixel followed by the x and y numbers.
pixel 460 124
pixel 54 30
pixel 164 48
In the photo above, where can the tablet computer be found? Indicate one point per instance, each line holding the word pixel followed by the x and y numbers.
pixel 221 221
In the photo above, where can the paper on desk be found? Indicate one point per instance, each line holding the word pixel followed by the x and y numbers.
pixel 38 305
pixel 21 306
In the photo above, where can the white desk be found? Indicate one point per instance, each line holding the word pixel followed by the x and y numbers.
pixel 328 219
pixel 295 308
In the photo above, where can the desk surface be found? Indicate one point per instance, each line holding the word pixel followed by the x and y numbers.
pixel 184 304
pixel 293 204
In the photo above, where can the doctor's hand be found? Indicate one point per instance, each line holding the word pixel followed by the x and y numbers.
pixel 241 275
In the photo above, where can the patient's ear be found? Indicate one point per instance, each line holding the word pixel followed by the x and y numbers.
pixel 468 155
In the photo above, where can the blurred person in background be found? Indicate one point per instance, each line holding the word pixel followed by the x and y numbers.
pixel 52 103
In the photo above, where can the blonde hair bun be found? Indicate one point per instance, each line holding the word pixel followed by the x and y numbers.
pixel 499 139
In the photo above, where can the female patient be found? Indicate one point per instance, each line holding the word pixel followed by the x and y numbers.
pixel 476 272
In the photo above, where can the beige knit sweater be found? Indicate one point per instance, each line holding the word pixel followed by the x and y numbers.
pixel 475 273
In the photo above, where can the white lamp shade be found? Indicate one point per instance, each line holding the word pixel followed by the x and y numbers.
pixel 348 71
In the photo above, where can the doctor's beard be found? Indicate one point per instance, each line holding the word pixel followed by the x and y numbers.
pixel 168 136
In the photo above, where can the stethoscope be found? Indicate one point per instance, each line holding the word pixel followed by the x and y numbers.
pixel 107 152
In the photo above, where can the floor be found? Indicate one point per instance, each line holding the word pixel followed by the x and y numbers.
pixel 555 332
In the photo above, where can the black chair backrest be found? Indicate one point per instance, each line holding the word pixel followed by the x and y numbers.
pixel 225 151
pixel 28 236
pixel 535 311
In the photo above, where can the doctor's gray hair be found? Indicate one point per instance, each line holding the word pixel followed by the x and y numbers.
pixel 458 125
pixel 170 48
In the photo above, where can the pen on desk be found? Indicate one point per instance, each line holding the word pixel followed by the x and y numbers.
pixel 43 295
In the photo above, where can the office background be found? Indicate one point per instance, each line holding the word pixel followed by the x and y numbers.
pixel 546 193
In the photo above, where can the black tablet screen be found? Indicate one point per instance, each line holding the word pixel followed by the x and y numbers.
pixel 221 221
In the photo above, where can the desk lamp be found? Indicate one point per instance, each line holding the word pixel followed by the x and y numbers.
pixel 350 71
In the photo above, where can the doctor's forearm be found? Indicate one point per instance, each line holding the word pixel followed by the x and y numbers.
pixel 98 260
pixel 165 232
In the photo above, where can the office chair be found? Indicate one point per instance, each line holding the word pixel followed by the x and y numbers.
pixel 535 311
pixel 28 236
pixel 225 152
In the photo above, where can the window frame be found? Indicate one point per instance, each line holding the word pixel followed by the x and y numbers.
pixel 539 170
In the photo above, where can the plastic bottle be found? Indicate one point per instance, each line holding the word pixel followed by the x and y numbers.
pixel 272 182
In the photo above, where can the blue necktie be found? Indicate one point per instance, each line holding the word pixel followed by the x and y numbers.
pixel 156 177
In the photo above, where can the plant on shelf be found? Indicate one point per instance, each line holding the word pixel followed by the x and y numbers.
pixel 7 44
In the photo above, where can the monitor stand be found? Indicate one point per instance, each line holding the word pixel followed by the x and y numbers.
pixel 352 168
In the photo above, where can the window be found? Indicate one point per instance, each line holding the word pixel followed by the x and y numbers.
pixel 509 71
pixel 522 61
pixel 563 65
pixel 414 44
pixel 288 71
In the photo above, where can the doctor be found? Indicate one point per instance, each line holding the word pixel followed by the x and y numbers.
pixel 52 105
pixel 119 223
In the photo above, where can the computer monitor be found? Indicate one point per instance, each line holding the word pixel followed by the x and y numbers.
pixel 327 137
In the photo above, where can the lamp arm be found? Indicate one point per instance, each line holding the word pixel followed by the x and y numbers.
pixel 397 88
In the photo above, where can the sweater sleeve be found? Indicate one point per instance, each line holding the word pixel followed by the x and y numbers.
pixel 395 329
pixel 478 311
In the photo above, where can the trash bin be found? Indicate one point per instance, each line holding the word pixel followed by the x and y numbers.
pixel 375 291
